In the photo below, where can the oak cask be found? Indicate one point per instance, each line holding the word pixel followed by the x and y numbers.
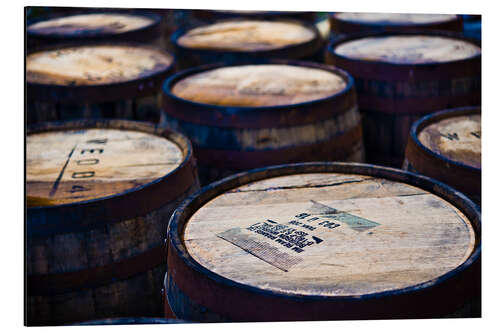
pixel 96 81
pixel 323 241
pixel 446 145
pixel 245 116
pixel 400 77
pixel 99 196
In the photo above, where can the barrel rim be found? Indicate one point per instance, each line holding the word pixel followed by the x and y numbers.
pixel 429 119
pixel 315 42
pixel 61 36
pixel 173 79
pixel 194 202
pixel 131 194
pixel 360 35
pixel 92 92
pixel 380 24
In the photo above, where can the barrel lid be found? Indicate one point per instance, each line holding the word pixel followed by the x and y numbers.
pixel 247 35
pixel 328 230
pixel 454 135
pixel 407 48
pixel 91 24
pixel 94 64
pixel 394 18
pixel 259 85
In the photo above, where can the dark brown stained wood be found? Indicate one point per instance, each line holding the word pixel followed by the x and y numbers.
pixel 342 24
pixel 323 241
pixel 446 145
pixel 103 80
pixel 246 116
pixel 402 76
pixel 241 39
pixel 88 26
pixel 99 197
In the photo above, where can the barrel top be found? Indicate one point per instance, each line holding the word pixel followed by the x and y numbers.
pixel 91 24
pixel 69 166
pixel 247 35
pixel 329 234
pixel 394 18
pixel 408 49
pixel 95 64
pixel 457 138
pixel 259 85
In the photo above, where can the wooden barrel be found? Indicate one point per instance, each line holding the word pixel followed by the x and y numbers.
pixel 236 40
pixel 323 241
pixel 245 116
pixel 446 145
pixel 95 26
pixel 472 26
pixel 99 196
pixel 216 15
pixel 343 23
pixel 96 81
pixel 132 321
pixel 400 77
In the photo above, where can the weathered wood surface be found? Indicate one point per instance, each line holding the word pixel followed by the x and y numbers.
pixel 100 194
pixel 318 246
pixel 400 77
pixel 95 81
pixel 251 116
pixel 240 39
pixel 447 146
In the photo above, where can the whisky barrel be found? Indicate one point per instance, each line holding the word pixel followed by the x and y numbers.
pixel 343 23
pixel 323 241
pixel 446 145
pixel 235 40
pixel 96 81
pixel 400 77
pixel 245 116
pixel 99 196
pixel 95 26
pixel 216 15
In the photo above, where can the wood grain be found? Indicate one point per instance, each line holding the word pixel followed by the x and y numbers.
pixel 78 165
pixel 329 234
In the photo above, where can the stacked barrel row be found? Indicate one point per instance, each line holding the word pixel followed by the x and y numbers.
pixel 226 92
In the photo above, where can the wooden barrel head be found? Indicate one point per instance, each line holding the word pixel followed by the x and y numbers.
pixel 90 24
pixel 394 18
pixel 329 234
pixel 247 35
pixel 76 165
pixel 95 65
pixel 259 85
pixel 457 138
pixel 408 49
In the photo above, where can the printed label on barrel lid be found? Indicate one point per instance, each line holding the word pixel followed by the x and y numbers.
pixel 77 165
pixel 328 234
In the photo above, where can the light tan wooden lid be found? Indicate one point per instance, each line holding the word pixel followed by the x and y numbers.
pixel 329 234
pixel 416 49
pixel 97 23
pixel 259 85
pixel 394 18
pixel 92 65
pixel 456 138
pixel 77 165
pixel 247 35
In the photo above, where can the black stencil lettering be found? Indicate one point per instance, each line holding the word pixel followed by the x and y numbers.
pixel 91 161
pixel 85 174
pixel 476 134
pixel 78 188
pixel 450 136
pixel 98 141
pixel 302 215
pixel 92 150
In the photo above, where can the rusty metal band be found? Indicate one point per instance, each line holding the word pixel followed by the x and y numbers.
pixel 259 117
pixel 59 283
pixel 345 26
pixel 337 148
pixel 86 215
pixel 415 105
